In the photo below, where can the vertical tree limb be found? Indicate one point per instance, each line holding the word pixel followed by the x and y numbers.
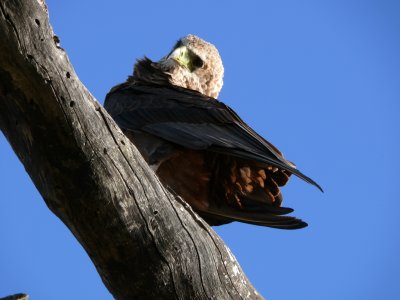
pixel 143 241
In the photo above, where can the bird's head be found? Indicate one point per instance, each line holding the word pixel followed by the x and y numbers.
pixel 194 64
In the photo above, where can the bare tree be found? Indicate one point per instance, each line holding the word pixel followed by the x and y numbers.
pixel 145 242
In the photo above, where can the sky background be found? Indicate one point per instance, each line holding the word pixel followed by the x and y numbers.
pixel 319 79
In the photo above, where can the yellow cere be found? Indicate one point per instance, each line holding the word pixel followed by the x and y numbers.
pixel 183 56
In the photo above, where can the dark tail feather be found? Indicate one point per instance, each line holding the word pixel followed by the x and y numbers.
pixel 226 215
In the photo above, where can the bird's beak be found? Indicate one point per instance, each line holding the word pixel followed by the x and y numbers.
pixel 182 56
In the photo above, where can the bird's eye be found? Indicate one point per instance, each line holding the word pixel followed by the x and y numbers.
pixel 197 62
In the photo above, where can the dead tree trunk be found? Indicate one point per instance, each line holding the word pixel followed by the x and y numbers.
pixel 144 242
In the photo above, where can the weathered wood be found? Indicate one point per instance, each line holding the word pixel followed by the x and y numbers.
pixel 144 242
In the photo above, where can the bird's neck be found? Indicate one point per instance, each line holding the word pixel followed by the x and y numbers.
pixel 147 71
pixel 168 72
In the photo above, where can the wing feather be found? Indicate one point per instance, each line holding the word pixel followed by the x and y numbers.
pixel 192 120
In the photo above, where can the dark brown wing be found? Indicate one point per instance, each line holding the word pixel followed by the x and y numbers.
pixel 190 120
pixel 193 121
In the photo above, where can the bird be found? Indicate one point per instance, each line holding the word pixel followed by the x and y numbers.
pixel 198 146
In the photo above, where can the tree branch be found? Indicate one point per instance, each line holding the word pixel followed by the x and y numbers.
pixel 143 241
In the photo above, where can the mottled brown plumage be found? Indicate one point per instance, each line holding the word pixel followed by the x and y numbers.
pixel 206 79
pixel 197 145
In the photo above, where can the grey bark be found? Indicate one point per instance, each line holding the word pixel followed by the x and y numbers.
pixel 144 242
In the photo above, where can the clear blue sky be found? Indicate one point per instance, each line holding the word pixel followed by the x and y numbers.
pixel 319 79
